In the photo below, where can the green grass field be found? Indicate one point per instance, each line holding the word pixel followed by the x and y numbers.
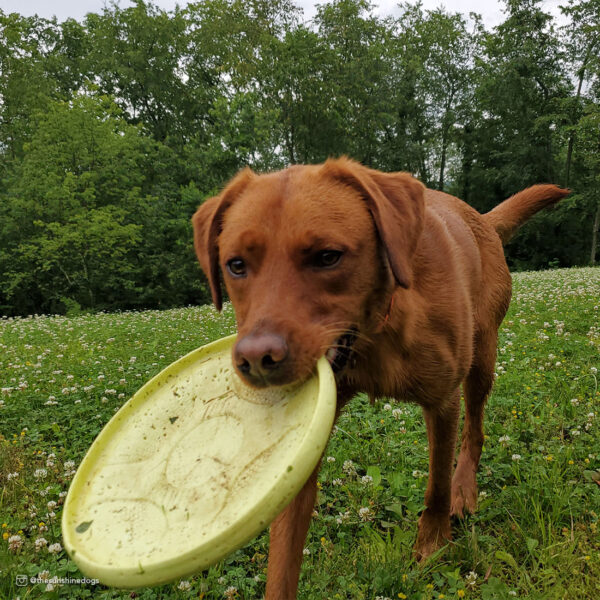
pixel 536 534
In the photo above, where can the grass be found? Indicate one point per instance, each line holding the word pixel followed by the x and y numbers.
pixel 535 534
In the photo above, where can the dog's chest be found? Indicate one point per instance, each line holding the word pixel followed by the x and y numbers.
pixel 420 376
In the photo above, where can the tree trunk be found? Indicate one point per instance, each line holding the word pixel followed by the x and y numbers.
pixel 467 162
pixel 595 229
pixel 443 159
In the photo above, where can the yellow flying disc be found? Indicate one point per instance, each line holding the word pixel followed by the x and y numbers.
pixel 192 467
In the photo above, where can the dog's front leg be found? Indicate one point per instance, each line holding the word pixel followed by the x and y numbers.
pixel 434 523
pixel 288 534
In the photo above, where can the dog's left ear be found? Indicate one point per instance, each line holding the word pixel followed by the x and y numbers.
pixel 208 224
pixel 395 201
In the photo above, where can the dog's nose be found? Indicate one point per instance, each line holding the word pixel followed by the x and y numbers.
pixel 260 356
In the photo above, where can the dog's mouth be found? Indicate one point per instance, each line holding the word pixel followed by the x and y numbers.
pixel 340 353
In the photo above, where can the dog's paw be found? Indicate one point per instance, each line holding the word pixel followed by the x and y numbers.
pixel 434 533
pixel 463 499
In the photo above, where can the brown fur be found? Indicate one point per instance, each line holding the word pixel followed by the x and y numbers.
pixel 422 278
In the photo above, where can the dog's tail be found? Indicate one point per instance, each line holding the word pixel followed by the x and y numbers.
pixel 508 216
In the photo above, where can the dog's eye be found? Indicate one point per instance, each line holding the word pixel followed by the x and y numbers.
pixel 237 267
pixel 327 258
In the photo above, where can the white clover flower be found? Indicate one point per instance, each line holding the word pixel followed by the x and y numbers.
pixel 331 459
pixel 397 413
pixel 55 548
pixel 50 587
pixel 349 468
pixel 366 479
pixel 387 407
pixel 471 578
pixel 12 476
pixel 342 517
pixel 516 457
pixel 593 370
pixel 184 586
pixel 504 439
pixel 52 505
pixel 15 543
pixel 337 482
pixel 40 543
pixel 575 401
pixel 306 552
pixel 40 473
pixel 365 513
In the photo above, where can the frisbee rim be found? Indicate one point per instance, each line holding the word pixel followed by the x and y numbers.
pixel 243 528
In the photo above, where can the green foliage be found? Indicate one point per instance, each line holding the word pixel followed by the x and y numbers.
pixel 138 114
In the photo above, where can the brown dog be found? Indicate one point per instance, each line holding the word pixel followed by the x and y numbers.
pixel 401 287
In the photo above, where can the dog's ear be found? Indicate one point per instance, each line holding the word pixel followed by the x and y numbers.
pixel 395 201
pixel 208 224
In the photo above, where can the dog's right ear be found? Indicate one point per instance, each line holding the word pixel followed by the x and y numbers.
pixel 208 224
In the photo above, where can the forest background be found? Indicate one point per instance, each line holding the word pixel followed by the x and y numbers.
pixel 114 128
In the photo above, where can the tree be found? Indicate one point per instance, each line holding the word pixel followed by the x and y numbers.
pixel 437 51
pixel 520 84
pixel 140 56
pixel 583 46
pixel 356 77
pixel 82 161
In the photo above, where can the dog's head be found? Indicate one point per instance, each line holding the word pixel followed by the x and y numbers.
pixel 309 256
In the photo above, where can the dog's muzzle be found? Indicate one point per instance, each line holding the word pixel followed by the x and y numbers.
pixel 340 352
